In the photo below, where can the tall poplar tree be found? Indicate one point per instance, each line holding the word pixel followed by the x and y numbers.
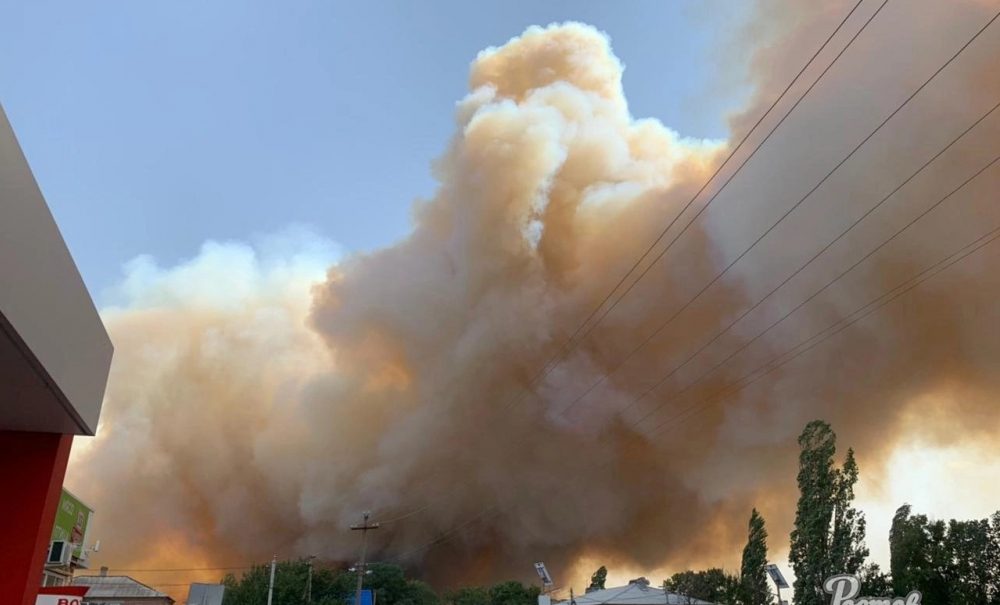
pixel 754 589
pixel 810 540
pixel 847 544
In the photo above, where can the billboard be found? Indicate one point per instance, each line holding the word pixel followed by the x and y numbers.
pixel 72 519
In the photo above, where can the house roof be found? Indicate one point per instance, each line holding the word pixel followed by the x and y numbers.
pixel 636 593
pixel 117 587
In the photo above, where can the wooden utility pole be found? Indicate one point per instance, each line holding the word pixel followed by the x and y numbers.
pixel 363 528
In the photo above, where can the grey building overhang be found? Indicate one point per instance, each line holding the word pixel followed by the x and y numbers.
pixel 54 351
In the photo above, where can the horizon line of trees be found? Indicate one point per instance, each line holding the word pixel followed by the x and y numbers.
pixel 950 563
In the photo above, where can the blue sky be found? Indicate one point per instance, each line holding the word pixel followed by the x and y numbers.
pixel 154 126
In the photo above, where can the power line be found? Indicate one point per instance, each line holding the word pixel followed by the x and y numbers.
pixel 546 369
pixel 823 335
pixel 413 512
pixel 182 569
pixel 827 285
pixel 568 345
pixel 448 535
pixel 975 247
pixel 785 215
pixel 816 256
pixel 837 327
pixel 133 583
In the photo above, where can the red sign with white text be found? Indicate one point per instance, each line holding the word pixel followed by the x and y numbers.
pixel 61 595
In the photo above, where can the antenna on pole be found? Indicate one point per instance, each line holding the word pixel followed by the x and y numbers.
pixel 363 528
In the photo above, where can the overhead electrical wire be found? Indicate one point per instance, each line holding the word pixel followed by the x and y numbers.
pixel 568 344
pixel 934 270
pixel 546 369
pixel 829 245
pixel 446 536
pixel 866 309
pixel 979 244
pixel 781 219
pixel 182 569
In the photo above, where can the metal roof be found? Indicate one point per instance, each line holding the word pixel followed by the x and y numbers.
pixel 103 587
pixel 634 594
pixel 205 594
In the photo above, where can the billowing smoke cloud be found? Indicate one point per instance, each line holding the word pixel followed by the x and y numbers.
pixel 262 397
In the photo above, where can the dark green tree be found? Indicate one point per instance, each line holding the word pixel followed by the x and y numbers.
pixel 954 563
pixel 713 585
pixel 810 540
pixel 874 582
pixel 754 589
pixel 847 543
pixel 393 588
pixel 329 587
pixel 513 593
pixel 289 584
pixel 917 559
pixel 473 595
pixel 970 578
pixel 599 578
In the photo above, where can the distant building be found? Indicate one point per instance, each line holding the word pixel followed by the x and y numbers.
pixel 120 590
pixel 69 548
pixel 637 592
pixel 205 594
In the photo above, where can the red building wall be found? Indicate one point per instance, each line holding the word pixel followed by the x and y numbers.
pixel 32 468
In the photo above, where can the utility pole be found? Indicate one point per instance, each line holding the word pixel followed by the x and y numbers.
pixel 363 528
pixel 270 586
pixel 308 596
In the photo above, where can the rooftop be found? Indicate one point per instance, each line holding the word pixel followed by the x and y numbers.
pixel 635 593
pixel 117 587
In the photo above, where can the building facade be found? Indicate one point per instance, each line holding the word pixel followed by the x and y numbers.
pixel 54 360
pixel 70 545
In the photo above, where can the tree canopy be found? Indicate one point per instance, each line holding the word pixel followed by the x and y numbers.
pixel 599 578
pixel 954 563
pixel 829 533
pixel 714 585
pixel 329 586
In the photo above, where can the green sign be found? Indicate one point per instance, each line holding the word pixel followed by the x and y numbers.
pixel 72 518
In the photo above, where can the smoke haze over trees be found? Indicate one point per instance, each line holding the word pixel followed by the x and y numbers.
pixel 263 395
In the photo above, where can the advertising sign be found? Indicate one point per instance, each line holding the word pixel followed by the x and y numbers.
pixel 72 518
pixel 62 595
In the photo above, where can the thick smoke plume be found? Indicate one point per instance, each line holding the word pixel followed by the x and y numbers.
pixel 261 398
